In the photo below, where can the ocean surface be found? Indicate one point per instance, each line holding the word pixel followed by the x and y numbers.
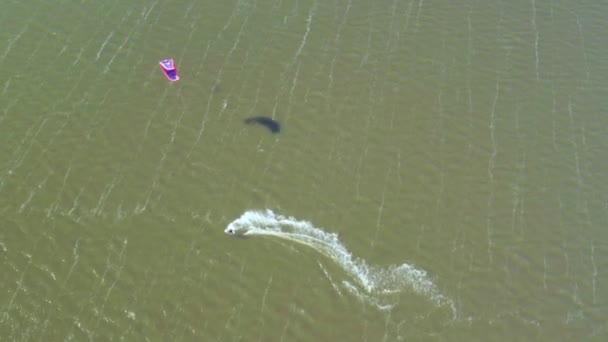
pixel 440 172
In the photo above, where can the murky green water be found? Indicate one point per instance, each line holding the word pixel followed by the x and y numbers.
pixel 440 173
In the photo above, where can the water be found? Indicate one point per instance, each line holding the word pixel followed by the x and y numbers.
pixel 439 174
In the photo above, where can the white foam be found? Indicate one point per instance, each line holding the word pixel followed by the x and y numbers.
pixel 370 282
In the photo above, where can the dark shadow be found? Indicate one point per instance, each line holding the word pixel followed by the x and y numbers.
pixel 273 125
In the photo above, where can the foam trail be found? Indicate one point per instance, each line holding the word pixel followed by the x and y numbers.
pixel 370 282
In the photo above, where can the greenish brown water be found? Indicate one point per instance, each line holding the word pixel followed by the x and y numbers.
pixel 457 149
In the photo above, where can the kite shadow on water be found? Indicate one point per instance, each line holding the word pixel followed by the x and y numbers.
pixel 272 125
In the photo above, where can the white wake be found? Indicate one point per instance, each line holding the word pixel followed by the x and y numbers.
pixel 370 282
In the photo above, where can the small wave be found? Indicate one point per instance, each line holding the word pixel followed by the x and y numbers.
pixel 370 282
